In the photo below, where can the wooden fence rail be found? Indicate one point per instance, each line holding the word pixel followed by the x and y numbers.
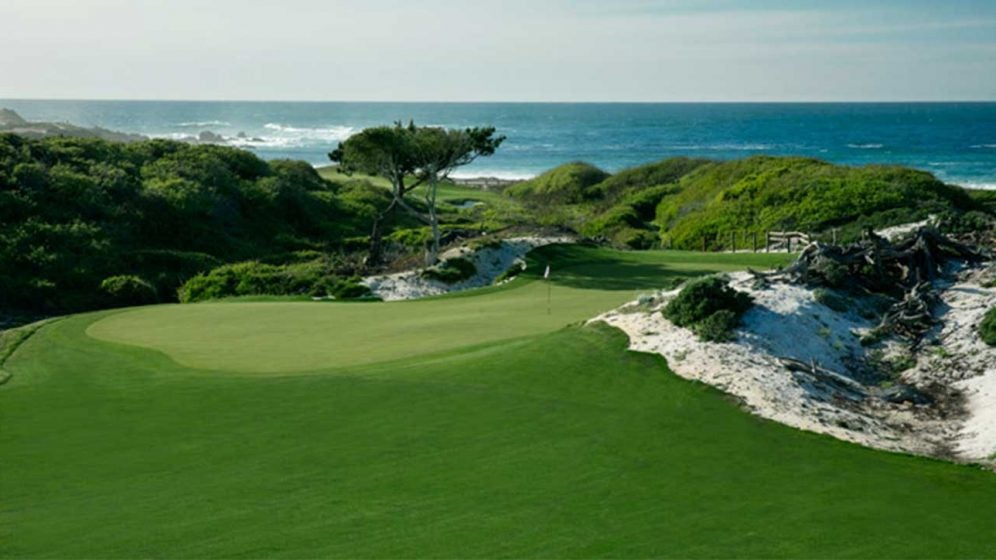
pixel 745 240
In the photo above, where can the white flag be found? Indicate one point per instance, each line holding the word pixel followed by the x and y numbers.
pixel 547 273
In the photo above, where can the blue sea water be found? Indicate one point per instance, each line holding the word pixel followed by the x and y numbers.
pixel 955 141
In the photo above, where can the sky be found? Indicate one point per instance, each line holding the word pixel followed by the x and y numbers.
pixel 499 50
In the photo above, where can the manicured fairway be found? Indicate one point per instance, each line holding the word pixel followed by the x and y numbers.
pixel 560 444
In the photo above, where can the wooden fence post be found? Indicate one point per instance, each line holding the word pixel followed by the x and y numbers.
pixel 753 242
pixel 733 240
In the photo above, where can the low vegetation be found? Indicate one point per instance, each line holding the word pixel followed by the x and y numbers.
pixel 987 328
pixel 569 183
pixel 709 307
pixel 317 278
pixel 451 271
pixel 86 223
pixel 787 193
pixel 690 203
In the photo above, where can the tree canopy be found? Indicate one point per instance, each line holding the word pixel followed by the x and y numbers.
pixel 76 212
pixel 410 156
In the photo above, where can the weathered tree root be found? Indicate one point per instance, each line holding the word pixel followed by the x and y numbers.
pixel 904 270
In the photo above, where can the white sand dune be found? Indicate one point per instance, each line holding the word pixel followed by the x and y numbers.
pixel 491 262
pixel 787 322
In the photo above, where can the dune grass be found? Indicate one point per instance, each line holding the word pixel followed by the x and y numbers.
pixel 553 443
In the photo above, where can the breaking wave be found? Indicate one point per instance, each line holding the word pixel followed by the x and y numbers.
pixel 871 146
pixel 204 123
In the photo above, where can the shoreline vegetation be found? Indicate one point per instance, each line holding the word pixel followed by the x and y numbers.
pixel 89 223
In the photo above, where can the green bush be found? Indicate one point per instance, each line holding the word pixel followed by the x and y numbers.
pixel 717 327
pixel 128 290
pixel 566 184
pixel 643 177
pixel 791 193
pixel 987 328
pixel 451 271
pixel 486 242
pixel 316 278
pixel 74 212
pixel 696 304
pixel 351 289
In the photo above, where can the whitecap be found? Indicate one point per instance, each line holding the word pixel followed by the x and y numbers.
pixel 204 123
pixel 303 135
pixel 870 146
pixel 978 186
pixel 983 146
pixel 721 147
pixel 505 175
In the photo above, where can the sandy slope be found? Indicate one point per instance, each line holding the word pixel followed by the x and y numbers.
pixel 490 262
pixel 787 322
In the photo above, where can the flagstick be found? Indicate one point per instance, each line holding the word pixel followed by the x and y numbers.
pixel 546 278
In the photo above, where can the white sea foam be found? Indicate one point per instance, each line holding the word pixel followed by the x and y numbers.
pixel 506 175
pixel 318 133
pixel 978 186
pixel 204 123
pixel 172 135
pixel 722 147
pixel 871 146
pixel 983 146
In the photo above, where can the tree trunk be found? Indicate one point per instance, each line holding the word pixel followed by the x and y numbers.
pixel 375 254
pixel 432 255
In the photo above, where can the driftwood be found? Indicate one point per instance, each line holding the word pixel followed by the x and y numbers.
pixel 904 270
pixel 844 387
pixel 841 385
pixel 911 317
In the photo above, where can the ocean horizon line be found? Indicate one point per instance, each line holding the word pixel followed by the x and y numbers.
pixel 514 102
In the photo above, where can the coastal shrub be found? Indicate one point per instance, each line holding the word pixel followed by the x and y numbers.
pixel 987 328
pixel 350 288
pixel 569 183
pixel 486 242
pixel 717 327
pixel 700 299
pixel 76 211
pixel 128 289
pixel 317 278
pixel 413 238
pixel 451 271
pixel 793 193
pixel 639 239
pixel 643 177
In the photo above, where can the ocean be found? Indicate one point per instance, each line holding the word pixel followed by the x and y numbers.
pixel 954 141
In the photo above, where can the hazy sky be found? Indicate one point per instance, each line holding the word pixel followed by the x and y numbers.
pixel 514 50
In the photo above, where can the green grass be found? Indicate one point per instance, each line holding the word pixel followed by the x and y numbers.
pixel 265 337
pixel 554 442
